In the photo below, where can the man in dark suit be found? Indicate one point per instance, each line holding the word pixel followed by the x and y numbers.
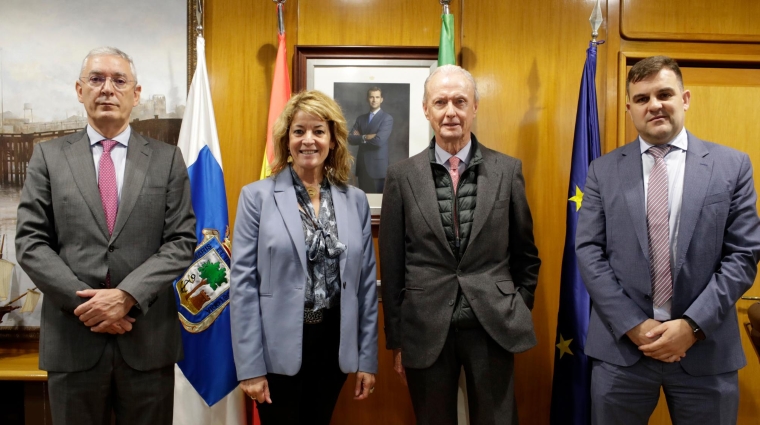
pixel 459 264
pixel 105 224
pixel 371 132
pixel 668 240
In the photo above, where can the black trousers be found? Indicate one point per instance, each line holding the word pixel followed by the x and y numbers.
pixel 90 397
pixel 488 370
pixel 309 396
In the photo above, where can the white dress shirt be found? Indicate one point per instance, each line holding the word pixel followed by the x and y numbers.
pixel 118 153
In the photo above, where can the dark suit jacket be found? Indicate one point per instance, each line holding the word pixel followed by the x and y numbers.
pixel 373 153
pixel 420 275
pixel 63 245
pixel 716 262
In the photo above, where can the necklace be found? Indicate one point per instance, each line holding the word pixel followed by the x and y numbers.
pixel 312 191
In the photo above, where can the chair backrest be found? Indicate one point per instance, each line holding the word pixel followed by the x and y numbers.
pixel 753 312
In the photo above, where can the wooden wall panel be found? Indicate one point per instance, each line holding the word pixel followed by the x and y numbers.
pixel 372 22
pixel 529 80
pixel 241 46
pixel 690 20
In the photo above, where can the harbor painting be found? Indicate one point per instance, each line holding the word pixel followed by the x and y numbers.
pixel 38 102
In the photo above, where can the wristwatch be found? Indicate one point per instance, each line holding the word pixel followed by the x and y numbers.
pixel 698 333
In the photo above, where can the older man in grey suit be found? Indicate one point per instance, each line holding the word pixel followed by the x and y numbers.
pixel 668 240
pixel 459 265
pixel 105 224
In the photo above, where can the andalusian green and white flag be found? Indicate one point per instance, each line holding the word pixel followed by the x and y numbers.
pixel 446 54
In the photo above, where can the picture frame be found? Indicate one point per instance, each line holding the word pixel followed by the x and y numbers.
pixel 162 65
pixel 347 73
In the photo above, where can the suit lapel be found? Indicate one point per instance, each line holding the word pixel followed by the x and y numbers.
pixel 423 189
pixel 632 183
pixel 489 177
pixel 695 183
pixel 79 156
pixel 285 198
pixel 138 159
pixel 341 218
pixel 374 125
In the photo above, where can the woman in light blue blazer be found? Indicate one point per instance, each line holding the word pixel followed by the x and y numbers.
pixel 303 296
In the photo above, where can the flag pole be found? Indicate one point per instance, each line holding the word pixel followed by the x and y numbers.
pixel 280 90
pixel 280 21
pixel 571 381
pixel 446 51
pixel 445 4
pixel 199 17
pixel 596 20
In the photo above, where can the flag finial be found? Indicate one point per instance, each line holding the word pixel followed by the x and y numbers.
pixel 199 16
pixel 445 4
pixel 596 20
pixel 280 21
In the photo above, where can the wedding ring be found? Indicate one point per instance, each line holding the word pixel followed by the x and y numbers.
pixel 372 390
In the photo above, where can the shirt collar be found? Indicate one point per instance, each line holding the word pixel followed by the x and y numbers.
pixel 441 156
pixel 122 138
pixel 681 141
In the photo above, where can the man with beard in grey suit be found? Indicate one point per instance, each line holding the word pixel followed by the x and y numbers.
pixel 459 264
pixel 105 225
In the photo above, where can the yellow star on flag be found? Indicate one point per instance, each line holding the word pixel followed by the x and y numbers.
pixel 578 198
pixel 564 346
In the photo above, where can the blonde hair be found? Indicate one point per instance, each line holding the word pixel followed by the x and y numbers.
pixel 337 165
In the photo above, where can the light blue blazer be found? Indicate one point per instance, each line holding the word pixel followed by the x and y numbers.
pixel 269 274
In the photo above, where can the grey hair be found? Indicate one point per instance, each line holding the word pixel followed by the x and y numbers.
pixel 110 51
pixel 451 69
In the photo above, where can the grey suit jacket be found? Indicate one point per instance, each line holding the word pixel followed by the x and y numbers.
pixel 420 275
pixel 374 153
pixel 718 251
pixel 268 278
pixel 62 243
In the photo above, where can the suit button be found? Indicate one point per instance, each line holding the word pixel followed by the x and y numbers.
pixel 344 285
pixel 647 297
pixel 451 302
pixel 102 284
pixel 111 248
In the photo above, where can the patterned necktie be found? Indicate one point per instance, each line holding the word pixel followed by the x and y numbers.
pixel 658 227
pixel 454 171
pixel 109 194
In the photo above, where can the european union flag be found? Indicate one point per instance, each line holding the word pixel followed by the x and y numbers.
pixel 571 401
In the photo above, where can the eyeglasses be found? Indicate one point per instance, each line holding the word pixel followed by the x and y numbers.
pixel 97 81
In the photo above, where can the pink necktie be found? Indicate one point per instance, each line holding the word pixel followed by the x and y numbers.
pixel 658 227
pixel 454 171
pixel 109 194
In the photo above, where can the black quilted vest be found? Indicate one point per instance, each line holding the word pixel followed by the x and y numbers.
pixel 458 236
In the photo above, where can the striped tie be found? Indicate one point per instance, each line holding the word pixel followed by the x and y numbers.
pixel 658 227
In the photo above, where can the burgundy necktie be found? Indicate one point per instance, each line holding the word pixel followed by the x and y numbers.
pixel 109 193
pixel 658 227
pixel 454 171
